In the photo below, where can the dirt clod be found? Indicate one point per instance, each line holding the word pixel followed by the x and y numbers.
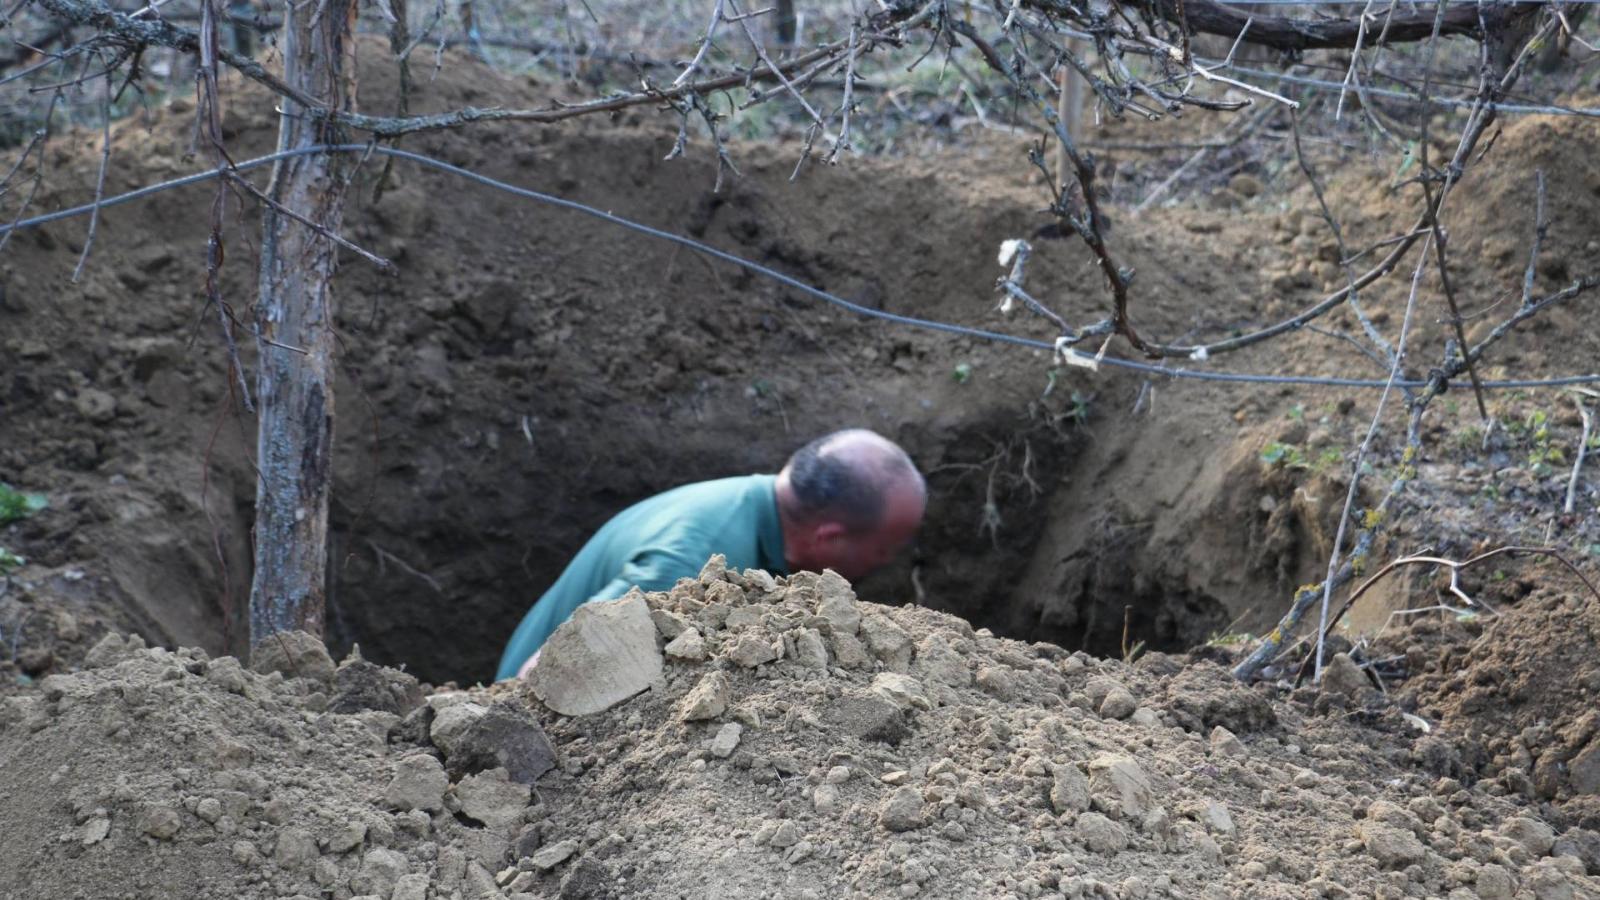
pixel 604 654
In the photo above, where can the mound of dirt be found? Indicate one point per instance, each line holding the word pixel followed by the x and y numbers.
pixel 1520 697
pixel 795 743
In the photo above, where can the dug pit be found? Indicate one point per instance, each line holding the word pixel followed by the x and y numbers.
pixel 517 385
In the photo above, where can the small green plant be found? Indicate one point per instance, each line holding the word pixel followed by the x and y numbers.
pixel 10 562
pixel 16 505
pixel 1297 412
pixel 1230 639
pixel 1078 412
pixel 1288 456
pixel 1328 459
pixel 1469 438
pixel 962 373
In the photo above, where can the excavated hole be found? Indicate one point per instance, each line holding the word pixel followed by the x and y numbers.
pixel 454 577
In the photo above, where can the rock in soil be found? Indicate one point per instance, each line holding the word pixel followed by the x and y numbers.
pixel 600 657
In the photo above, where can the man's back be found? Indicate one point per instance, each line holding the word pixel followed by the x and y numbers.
pixel 654 543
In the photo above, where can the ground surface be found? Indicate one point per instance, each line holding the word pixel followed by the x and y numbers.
pixel 790 742
pixel 528 372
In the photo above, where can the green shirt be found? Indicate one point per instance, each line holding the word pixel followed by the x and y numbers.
pixel 652 544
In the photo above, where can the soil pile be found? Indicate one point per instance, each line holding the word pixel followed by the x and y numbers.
pixel 1518 693
pixel 787 740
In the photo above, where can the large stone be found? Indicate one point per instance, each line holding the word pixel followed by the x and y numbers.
pixel 670 624
pixel 294 653
pixel 903 690
pixel 1217 819
pixel 1343 676
pixel 589 879
pixel 451 723
pixel 751 650
pixel 848 651
pixel 381 869
pixel 604 654
pixel 295 849
pixel 901 810
pixel 505 737
pixel 688 646
pixel 493 799
pixel 411 887
pixel 1119 786
pixel 887 642
pixel 1100 834
pixel 1583 771
pixel 706 700
pixel 1547 882
pixel 867 716
pixel 1392 846
pixel 1581 844
pixel 419 783
pixel 939 663
pixel 1069 789
pixel 1494 882
pixel 1226 743
pixel 838 603
pixel 810 650
pixel 549 857
pixel 727 740
pixel 1118 704
pixel 1534 835
pixel 159 821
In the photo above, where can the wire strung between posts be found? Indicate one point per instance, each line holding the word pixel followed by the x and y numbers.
pixel 1322 84
pixel 707 249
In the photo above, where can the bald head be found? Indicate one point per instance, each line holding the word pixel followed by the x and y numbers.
pixel 849 501
pixel 848 476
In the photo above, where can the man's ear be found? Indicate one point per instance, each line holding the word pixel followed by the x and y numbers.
pixel 828 532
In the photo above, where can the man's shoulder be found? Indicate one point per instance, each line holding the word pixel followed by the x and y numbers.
pixel 721 493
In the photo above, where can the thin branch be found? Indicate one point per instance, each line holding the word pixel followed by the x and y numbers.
pixel 776 70
pixel 1540 227
pixel 705 45
pixel 1583 447
pixel 1335 558
pixel 100 180
pixel 843 140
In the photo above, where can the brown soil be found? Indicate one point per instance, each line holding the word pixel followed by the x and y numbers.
pixel 876 752
pixel 530 372
pixel 1526 719
pixel 477 390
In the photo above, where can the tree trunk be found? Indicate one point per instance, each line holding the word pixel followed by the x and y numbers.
pixel 786 23
pixel 295 338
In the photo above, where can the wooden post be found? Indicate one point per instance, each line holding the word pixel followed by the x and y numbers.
pixel 1069 108
pixel 295 340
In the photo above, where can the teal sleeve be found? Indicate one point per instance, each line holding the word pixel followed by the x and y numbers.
pixel 653 571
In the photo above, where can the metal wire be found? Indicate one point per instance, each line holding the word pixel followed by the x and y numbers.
pixel 781 278
pixel 1323 84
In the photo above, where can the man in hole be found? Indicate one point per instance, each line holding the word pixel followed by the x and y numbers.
pixel 847 501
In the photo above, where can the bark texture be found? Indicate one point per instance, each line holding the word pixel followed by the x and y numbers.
pixel 295 339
